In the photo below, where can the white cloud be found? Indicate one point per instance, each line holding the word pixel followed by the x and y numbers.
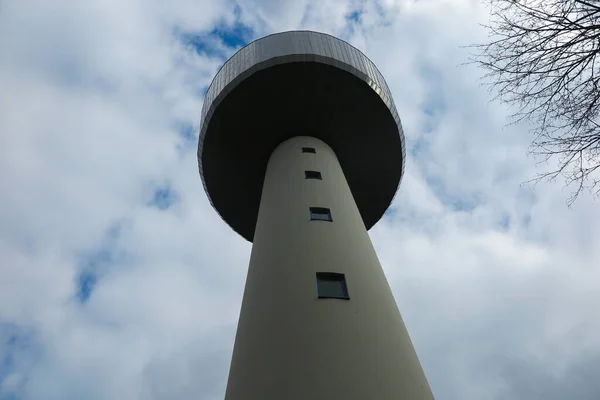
pixel 497 281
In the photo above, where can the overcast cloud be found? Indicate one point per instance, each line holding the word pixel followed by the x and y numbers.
pixel 119 281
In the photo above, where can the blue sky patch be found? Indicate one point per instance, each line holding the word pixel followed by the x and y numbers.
pixel 220 41
pixel 95 264
pixel 86 282
pixel 235 35
pixel 354 17
pixel 417 147
pixel 18 346
pixel 164 197
pixel 188 132
pixel 203 91
pixel 390 212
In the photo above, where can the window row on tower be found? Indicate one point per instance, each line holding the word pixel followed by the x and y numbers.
pixel 330 285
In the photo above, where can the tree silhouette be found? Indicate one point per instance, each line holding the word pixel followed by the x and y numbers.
pixel 542 58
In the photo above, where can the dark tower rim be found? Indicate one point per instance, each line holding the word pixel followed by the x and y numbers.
pixel 285 49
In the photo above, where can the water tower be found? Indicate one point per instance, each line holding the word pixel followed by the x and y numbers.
pixel 301 151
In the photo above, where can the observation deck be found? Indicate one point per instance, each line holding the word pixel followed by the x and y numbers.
pixel 298 83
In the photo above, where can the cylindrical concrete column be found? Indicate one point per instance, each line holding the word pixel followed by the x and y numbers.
pixel 291 344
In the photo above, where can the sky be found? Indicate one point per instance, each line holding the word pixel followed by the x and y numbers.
pixel 119 281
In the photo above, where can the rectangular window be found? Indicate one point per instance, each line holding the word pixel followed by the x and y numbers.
pixel 331 285
pixel 320 214
pixel 312 175
pixel 309 150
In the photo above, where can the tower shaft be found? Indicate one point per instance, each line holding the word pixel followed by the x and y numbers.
pixel 291 344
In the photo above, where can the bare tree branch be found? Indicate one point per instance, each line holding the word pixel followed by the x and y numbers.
pixel 542 58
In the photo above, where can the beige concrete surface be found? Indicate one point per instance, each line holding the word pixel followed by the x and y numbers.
pixel 290 345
